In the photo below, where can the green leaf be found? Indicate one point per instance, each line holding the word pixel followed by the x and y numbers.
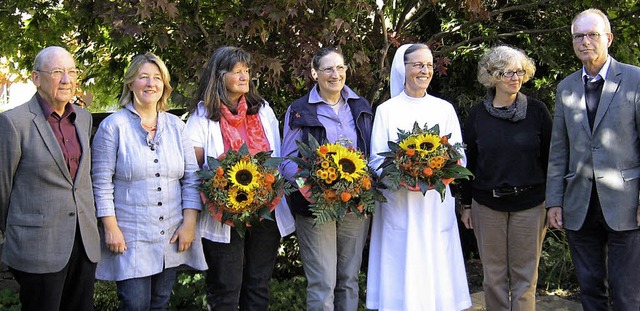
pixel 387 154
pixel 424 186
pixel 205 174
pixel 304 150
pixel 240 227
pixel 304 173
pixel 388 162
pixel 244 150
pixel 272 162
pixel 213 163
pixel 416 127
pixel 265 213
pixel 313 143
pixel 226 216
pixel 441 188
pixel 434 129
pixel 389 171
pixel 393 146
pixel 302 164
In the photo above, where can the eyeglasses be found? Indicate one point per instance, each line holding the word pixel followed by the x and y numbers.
pixel 578 37
pixel 420 65
pixel 329 70
pixel 510 74
pixel 58 72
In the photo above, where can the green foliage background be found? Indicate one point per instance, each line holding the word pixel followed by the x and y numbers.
pixel 283 34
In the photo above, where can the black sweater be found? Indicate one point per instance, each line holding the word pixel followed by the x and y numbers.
pixel 502 153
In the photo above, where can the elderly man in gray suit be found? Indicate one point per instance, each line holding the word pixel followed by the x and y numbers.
pixel 47 211
pixel 594 169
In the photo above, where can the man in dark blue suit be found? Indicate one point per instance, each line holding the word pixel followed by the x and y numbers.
pixel 593 179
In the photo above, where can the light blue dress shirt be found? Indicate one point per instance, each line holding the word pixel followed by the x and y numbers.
pixel 145 183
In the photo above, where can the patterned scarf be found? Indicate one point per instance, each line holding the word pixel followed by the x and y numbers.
pixel 229 123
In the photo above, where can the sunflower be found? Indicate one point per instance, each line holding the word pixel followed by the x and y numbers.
pixel 239 200
pixel 427 143
pixel 244 175
pixel 408 143
pixel 331 149
pixel 350 165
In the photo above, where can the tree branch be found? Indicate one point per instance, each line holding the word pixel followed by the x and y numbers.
pixel 497 36
pixel 492 14
pixel 196 18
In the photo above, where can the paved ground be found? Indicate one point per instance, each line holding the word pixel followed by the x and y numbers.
pixel 543 303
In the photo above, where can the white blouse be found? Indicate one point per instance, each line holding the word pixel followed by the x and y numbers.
pixel 206 134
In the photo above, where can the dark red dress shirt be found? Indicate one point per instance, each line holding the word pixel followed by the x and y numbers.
pixel 65 131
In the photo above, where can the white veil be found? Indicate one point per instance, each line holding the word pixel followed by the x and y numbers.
pixel 396 79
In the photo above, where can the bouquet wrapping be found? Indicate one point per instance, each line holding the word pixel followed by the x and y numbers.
pixel 336 180
pixel 240 189
pixel 421 160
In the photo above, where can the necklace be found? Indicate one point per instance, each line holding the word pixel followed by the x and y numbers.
pixel 150 128
pixel 336 103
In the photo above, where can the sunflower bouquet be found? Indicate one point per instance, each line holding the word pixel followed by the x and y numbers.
pixel 240 189
pixel 335 180
pixel 421 159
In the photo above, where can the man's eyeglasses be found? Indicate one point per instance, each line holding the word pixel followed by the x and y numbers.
pixel 510 74
pixel 58 73
pixel 329 70
pixel 578 37
pixel 420 65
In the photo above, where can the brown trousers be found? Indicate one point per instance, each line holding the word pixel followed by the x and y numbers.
pixel 510 244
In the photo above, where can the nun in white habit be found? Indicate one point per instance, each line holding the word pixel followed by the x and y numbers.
pixel 415 257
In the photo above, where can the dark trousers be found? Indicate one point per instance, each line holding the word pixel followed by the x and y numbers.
pixel 240 271
pixel 69 289
pixel 607 263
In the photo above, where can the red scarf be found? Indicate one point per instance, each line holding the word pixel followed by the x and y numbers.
pixel 229 123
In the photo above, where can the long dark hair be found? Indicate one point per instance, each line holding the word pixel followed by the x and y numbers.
pixel 212 90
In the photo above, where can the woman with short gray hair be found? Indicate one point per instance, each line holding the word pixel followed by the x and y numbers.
pixel 507 137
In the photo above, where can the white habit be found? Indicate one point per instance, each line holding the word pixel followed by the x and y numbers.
pixel 415 257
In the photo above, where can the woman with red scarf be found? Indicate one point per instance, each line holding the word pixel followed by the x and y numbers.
pixel 227 113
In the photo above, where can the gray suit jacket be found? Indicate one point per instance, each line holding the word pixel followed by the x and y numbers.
pixel 39 203
pixel 610 153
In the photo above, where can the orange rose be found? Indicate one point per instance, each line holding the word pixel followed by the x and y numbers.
pixel 427 171
pixel 330 194
pixel 360 207
pixel 444 140
pixel 269 179
pixel 411 152
pixel 366 183
pixel 323 149
pixel 345 196
pixel 219 171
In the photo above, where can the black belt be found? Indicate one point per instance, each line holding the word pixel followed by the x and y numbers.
pixel 507 191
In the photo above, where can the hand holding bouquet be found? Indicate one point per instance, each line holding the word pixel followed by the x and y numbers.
pixel 421 160
pixel 240 189
pixel 335 179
